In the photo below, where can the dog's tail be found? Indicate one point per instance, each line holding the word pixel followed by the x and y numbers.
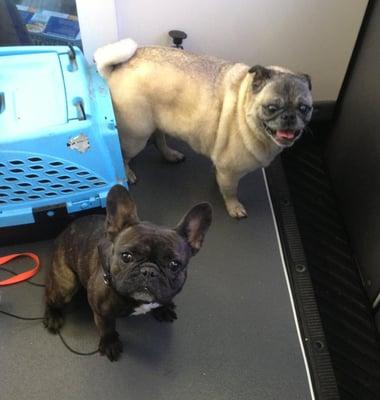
pixel 112 54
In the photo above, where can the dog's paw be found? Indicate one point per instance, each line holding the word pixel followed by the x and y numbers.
pixel 165 314
pixel 111 346
pixel 174 156
pixel 53 319
pixel 236 209
pixel 132 178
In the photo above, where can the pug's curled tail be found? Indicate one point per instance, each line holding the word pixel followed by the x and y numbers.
pixel 108 56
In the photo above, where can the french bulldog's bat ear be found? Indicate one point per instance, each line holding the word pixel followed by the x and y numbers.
pixel 261 74
pixel 307 78
pixel 194 225
pixel 121 210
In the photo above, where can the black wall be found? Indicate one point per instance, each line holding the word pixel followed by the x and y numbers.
pixel 353 150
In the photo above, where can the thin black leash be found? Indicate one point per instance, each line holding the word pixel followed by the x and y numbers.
pixel 19 317
pixel 79 353
pixel 29 282
pixel 68 347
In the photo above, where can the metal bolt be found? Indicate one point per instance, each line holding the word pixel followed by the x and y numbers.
pixel 300 268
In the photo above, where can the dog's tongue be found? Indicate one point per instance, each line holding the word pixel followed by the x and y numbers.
pixel 285 134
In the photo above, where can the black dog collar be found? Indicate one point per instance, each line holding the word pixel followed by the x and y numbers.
pixel 107 276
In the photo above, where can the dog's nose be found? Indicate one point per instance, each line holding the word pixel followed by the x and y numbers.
pixel 288 117
pixel 149 272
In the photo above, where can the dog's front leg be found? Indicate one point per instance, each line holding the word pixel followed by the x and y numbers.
pixel 109 344
pixel 228 183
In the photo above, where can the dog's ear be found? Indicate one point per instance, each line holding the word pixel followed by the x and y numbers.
pixel 261 75
pixel 194 225
pixel 121 211
pixel 307 78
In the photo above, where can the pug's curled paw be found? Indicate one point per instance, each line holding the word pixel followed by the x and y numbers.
pixel 236 209
pixel 132 178
pixel 174 156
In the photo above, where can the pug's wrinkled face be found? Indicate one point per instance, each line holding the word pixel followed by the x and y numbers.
pixel 282 103
pixel 147 262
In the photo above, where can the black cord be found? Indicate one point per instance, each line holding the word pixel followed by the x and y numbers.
pixel 18 317
pixel 41 318
pixel 28 281
pixel 59 333
pixel 91 353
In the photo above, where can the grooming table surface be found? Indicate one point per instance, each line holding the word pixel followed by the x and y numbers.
pixel 235 337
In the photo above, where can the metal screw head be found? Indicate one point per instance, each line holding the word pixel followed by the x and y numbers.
pixel 319 345
pixel 285 202
pixel 300 268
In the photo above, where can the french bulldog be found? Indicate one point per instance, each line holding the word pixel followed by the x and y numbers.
pixel 238 116
pixel 127 266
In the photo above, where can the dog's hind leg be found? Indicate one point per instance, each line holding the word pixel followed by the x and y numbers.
pixel 131 176
pixel 129 150
pixel 61 285
pixel 136 125
pixel 167 152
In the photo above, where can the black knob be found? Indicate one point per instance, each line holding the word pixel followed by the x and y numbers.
pixel 178 37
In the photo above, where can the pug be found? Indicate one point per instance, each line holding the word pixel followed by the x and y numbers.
pixel 127 266
pixel 238 116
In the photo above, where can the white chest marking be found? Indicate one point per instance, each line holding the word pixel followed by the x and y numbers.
pixel 144 308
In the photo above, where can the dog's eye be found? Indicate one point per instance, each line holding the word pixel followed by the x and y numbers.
pixel 272 108
pixel 304 108
pixel 174 265
pixel 127 256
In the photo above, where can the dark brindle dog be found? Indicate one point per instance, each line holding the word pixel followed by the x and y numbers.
pixel 128 267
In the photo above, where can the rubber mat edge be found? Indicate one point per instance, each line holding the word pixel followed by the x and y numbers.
pixel 313 339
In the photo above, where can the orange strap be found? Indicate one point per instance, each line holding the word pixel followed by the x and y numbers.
pixel 23 276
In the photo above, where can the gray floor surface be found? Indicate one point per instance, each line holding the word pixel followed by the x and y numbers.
pixel 235 337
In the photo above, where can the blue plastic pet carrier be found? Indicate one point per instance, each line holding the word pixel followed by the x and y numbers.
pixel 59 145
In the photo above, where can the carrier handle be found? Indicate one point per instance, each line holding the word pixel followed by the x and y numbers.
pixel 73 58
pixel 80 110
pixel 2 102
